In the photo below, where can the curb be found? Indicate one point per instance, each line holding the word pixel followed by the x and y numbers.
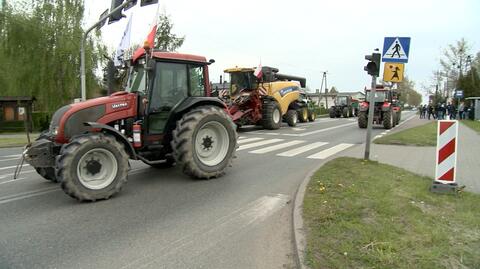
pixel 300 242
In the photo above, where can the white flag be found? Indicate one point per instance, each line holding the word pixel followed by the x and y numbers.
pixel 124 44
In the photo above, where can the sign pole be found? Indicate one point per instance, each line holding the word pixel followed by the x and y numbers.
pixel 370 117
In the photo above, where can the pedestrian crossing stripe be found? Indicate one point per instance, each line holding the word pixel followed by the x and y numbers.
pixel 269 145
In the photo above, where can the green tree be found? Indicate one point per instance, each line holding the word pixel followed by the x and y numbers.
pixel 39 51
pixel 165 40
pixel 408 94
pixel 470 83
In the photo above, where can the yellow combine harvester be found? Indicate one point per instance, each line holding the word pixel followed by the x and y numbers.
pixel 264 99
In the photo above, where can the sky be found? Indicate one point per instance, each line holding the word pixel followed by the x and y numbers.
pixel 306 38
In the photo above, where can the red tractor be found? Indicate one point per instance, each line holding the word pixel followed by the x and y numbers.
pixel 385 110
pixel 164 117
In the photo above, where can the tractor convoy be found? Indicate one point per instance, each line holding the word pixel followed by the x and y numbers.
pixel 387 110
pixel 265 98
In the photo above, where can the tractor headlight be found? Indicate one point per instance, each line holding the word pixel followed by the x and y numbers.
pixel 55 130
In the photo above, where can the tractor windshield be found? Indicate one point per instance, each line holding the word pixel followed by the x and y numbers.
pixel 242 80
pixel 341 100
pixel 380 96
pixel 136 79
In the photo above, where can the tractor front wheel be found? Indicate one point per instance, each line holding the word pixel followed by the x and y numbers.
pixel 271 115
pixel 332 112
pixel 388 120
pixel 303 114
pixel 292 118
pixel 312 116
pixel 92 167
pixel 362 120
pixel 204 142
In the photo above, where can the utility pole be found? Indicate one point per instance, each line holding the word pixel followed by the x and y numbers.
pixel 373 69
pixel 326 90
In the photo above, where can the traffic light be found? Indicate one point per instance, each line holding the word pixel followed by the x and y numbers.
pixel 147 2
pixel 373 66
pixel 117 15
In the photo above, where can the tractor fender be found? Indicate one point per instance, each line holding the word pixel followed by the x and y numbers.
pixel 192 102
pixel 119 136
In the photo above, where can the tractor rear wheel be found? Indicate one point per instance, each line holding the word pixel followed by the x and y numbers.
pixel 271 115
pixel 303 114
pixel 312 116
pixel 292 118
pixel 204 142
pixel 362 120
pixel 92 167
pixel 388 120
pixel 345 112
pixel 332 112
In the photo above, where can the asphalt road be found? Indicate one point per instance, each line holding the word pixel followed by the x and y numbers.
pixel 163 219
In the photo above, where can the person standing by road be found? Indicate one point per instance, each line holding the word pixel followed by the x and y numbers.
pixel 461 111
pixel 430 111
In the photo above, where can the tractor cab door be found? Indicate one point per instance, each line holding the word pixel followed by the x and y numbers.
pixel 172 83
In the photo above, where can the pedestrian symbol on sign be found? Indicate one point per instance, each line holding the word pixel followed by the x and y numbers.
pixel 393 72
pixel 396 49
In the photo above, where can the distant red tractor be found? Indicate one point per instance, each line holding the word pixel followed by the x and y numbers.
pixel 386 109
pixel 164 117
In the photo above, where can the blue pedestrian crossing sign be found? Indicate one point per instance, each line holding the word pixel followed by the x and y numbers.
pixel 395 49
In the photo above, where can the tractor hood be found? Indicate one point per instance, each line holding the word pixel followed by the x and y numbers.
pixel 69 120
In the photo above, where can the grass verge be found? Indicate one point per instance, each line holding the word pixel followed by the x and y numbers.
pixel 15 140
pixel 362 214
pixel 424 135
pixel 473 124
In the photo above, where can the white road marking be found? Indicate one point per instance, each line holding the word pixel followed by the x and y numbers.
pixel 11 156
pixel 329 152
pixel 321 131
pixel 277 147
pixel 298 129
pixel 28 194
pixel 383 133
pixel 10 167
pixel 377 136
pixel 302 149
pixel 258 144
pixel 249 140
pixel 12 180
pixel 12 159
pixel 241 137
pixel 23 172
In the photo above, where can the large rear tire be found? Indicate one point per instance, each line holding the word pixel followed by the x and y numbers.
pixel 303 114
pixel 292 118
pixel 362 120
pixel 204 142
pixel 388 120
pixel 271 115
pixel 92 167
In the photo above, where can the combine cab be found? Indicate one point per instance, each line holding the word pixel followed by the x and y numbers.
pixel 164 117
pixel 385 112
pixel 266 100
pixel 344 107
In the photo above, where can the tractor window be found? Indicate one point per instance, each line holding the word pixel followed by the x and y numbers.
pixel 136 80
pixel 342 100
pixel 240 81
pixel 197 81
pixel 380 96
pixel 170 86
